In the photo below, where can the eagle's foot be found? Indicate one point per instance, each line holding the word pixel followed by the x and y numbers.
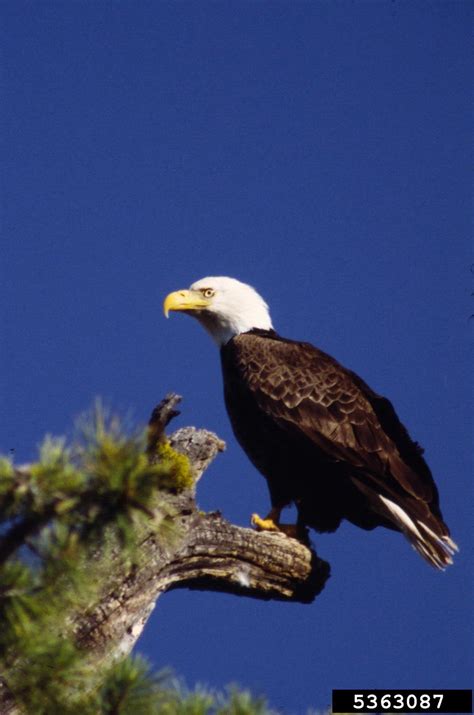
pixel 272 523
pixel 267 524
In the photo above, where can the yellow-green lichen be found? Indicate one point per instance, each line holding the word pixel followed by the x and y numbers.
pixel 177 472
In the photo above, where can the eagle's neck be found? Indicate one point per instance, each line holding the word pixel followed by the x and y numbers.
pixel 223 328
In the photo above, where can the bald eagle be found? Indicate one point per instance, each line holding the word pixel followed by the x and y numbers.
pixel 322 438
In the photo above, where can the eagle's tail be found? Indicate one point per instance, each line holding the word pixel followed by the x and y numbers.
pixel 428 534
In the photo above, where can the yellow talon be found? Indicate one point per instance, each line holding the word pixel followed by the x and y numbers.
pixel 272 523
pixel 264 524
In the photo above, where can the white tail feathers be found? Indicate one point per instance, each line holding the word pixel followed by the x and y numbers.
pixel 401 517
pixel 437 548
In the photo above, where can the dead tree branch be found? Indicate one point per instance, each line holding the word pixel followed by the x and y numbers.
pixel 209 554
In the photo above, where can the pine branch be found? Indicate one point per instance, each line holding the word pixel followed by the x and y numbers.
pixel 204 552
pixel 211 554
pixel 21 532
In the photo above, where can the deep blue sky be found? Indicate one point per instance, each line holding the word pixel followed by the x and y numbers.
pixel 319 151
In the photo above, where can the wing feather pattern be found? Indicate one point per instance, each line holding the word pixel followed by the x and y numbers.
pixel 303 388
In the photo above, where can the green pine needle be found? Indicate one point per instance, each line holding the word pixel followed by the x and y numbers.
pixel 65 524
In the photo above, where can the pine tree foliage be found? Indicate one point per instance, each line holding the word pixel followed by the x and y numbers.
pixel 61 519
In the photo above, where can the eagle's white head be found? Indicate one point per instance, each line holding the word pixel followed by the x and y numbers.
pixel 224 306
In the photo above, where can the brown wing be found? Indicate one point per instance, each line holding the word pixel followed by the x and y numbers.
pixel 303 388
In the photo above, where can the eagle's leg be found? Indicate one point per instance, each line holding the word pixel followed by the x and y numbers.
pixel 272 523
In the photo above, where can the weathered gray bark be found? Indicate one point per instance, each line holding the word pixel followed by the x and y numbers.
pixel 209 554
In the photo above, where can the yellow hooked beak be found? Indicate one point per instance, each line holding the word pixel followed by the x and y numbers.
pixel 184 300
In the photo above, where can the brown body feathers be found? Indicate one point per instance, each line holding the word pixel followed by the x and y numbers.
pixel 325 441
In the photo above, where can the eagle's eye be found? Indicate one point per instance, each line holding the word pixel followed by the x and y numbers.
pixel 208 292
